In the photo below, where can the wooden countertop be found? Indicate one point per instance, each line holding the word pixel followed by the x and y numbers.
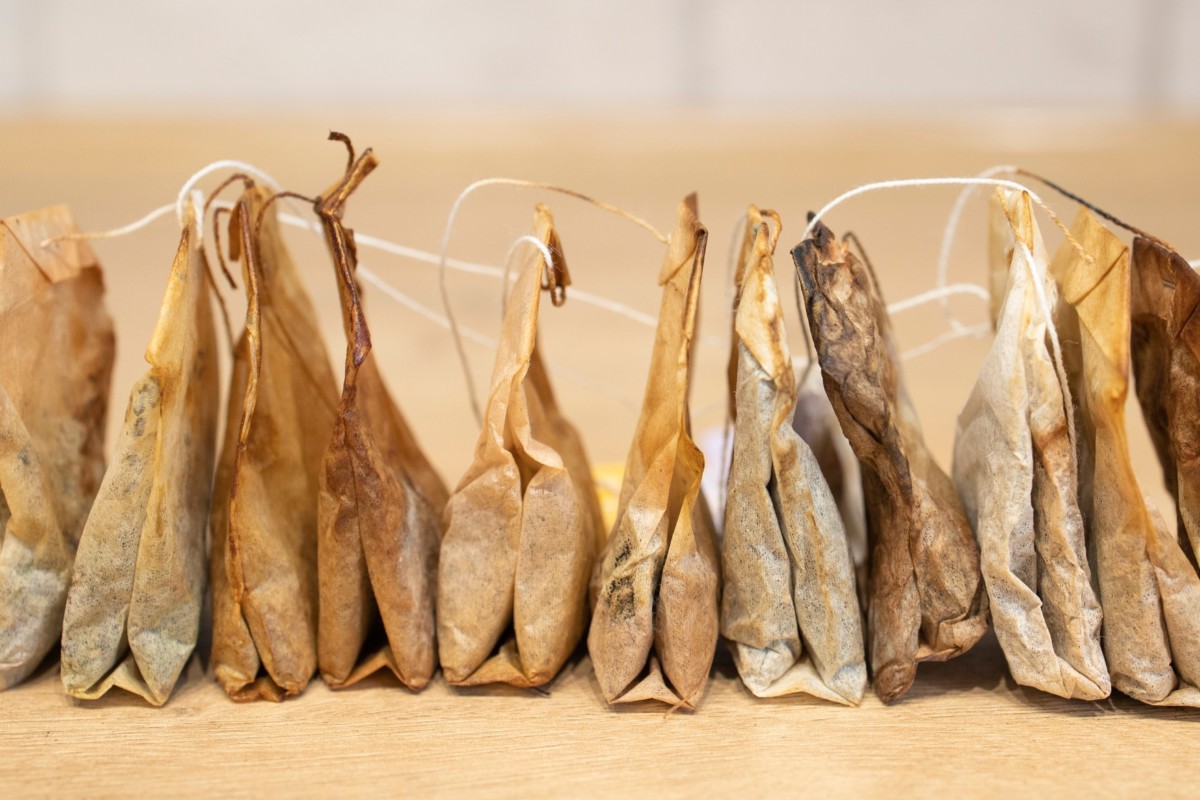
pixel 965 728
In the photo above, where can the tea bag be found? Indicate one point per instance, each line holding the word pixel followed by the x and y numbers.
pixel 926 597
pixel 379 513
pixel 523 527
pixel 1015 470
pixel 818 426
pixel 1165 335
pixel 55 368
pixel 1149 590
pixel 133 610
pixel 789 607
pixel 655 623
pixel 282 404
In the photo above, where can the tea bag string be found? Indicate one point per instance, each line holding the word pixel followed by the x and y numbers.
pixel 449 229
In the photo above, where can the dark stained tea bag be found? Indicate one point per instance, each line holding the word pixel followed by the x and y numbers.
pixel 1015 469
pixel 56 361
pixel 133 610
pixel 789 607
pixel 379 514
pixel 926 595
pixel 282 405
pixel 1149 590
pixel 1164 298
pixel 655 624
pixel 523 527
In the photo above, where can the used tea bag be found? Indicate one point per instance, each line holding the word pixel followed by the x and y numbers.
pixel 55 366
pixel 133 610
pixel 926 596
pixel 282 403
pixel 788 607
pixel 1166 368
pixel 379 513
pixel 523 527
pixel 1149 590
pixel 655 623
pixel 1015 470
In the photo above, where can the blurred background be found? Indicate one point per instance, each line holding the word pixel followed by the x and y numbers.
pixel 539 55
pixel 111 106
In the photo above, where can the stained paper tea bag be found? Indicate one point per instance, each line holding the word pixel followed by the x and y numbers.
pixel 56 361
pixel 655 623
pixel 379 514
pixel 1166 368
pixel 133 610
pixel 818 426
pixel 1015 470
pixel 926 596
pixel 282 404
pixel 1149 589
pixel 789 607
pixel 523 527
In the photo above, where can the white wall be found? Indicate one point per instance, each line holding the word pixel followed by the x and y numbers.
pixel 214 55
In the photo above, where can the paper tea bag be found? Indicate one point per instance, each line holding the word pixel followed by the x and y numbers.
pixel 1149 590
pixel 133 610
pixel 926 598
pixel 789 607
pixel 818 426
pixel 1015 470
pixel 55 367
pixel 379 513
pixel 654 628
pixel 1166 368
pixel 523 527
pixel 282 404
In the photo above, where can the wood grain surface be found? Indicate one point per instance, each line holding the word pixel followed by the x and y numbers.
pixel 964 729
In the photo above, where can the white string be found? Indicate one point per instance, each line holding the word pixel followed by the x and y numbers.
pixel 201 173
pixel 941 294
pixel 547 262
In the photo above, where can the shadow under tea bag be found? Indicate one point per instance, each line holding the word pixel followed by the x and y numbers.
pixel 659 581
pixel 523 527
pixel 789 606
pixel 1015 470
pixel 1149 591
pixel 55 367
pixel 379 513
pixel 926 595
pixel 1165 296
pixel 133 610
pixel 282 403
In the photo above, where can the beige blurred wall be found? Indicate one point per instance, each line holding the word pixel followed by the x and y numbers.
pixel 544 55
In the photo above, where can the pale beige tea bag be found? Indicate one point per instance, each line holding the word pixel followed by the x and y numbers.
pixel 1016 472
pixel 789 608
pixel 656 617
pixel 133 610
pixel 926 599
pixel 523 526
pixel 1165 296
pixel 282 404
pixel 56 361
pixel 1148 588
pixel 380 507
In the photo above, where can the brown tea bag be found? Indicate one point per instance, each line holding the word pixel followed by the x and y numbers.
pixel 1166 368
pixel 55 367
pixel 789 607
pixel 523 526
pixel 379 513
pixel 926 596
pixel 282 404
pixel 655 623
pixel 1015 470
pixel 1149 590
pixel 133 610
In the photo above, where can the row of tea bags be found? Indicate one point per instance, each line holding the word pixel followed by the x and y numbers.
pixel 330 544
